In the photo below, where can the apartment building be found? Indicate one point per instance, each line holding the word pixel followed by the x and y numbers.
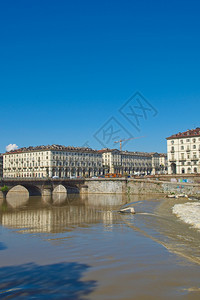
pixel 49 161
pixel 183 152
pixel 61 161
pixel 115 161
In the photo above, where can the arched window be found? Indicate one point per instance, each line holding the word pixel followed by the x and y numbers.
pixel 195 170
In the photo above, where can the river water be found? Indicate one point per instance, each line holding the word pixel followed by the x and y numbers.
pixel 81 247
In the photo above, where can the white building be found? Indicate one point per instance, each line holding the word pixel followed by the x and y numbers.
pixel 61 161
pixel 183 152
pixel 115 161
pixel 55 160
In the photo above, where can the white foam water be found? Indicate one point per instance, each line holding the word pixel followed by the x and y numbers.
pixel 189 213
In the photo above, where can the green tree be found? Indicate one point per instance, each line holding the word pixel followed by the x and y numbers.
pixel 4 188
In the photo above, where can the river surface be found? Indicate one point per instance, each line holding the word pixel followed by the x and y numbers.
pixel 81 247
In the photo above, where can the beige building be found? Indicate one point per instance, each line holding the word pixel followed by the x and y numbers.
pixel 183 152
pixel 49 161
pixel 62 162
pixel 133 163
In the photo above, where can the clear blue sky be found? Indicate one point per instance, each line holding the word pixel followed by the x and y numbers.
pixel 67 67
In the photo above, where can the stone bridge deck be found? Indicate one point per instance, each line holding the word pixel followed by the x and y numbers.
pixel 45 186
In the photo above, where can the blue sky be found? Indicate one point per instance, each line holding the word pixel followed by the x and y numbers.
pixel 67 67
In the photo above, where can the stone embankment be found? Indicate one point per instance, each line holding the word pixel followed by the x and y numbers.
pixel 139 186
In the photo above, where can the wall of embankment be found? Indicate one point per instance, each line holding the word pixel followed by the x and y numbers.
pixel 138 186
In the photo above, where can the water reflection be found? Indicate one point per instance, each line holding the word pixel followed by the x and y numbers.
pixel 15 199
pixel 1 200
pixel 108 200
pixel 59 198
pixel 61 212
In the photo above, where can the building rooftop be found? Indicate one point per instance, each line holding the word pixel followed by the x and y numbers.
pixel 188 133
pixel 137 153
pixel 77 149
pixel 51 147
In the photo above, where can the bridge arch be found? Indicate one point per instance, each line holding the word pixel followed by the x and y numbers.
pixel 65 188
pixel 17 196
pixel 60 189
pixel 32 189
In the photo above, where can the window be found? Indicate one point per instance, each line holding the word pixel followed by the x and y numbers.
pixel 194 146
pixel 188 140
pixel 194 140
pixel 182 147
pixel 181 141
pixel 172 142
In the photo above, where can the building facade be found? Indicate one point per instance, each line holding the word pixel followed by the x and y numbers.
pixel 133 163
pixel 49 161
pixel 183 152
pixel 61 161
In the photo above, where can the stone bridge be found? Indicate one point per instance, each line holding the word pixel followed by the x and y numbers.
pixel 44 186
pixel 47 187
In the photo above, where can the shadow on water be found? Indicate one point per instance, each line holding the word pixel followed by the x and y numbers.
pixel 57 281
pixel 2 246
